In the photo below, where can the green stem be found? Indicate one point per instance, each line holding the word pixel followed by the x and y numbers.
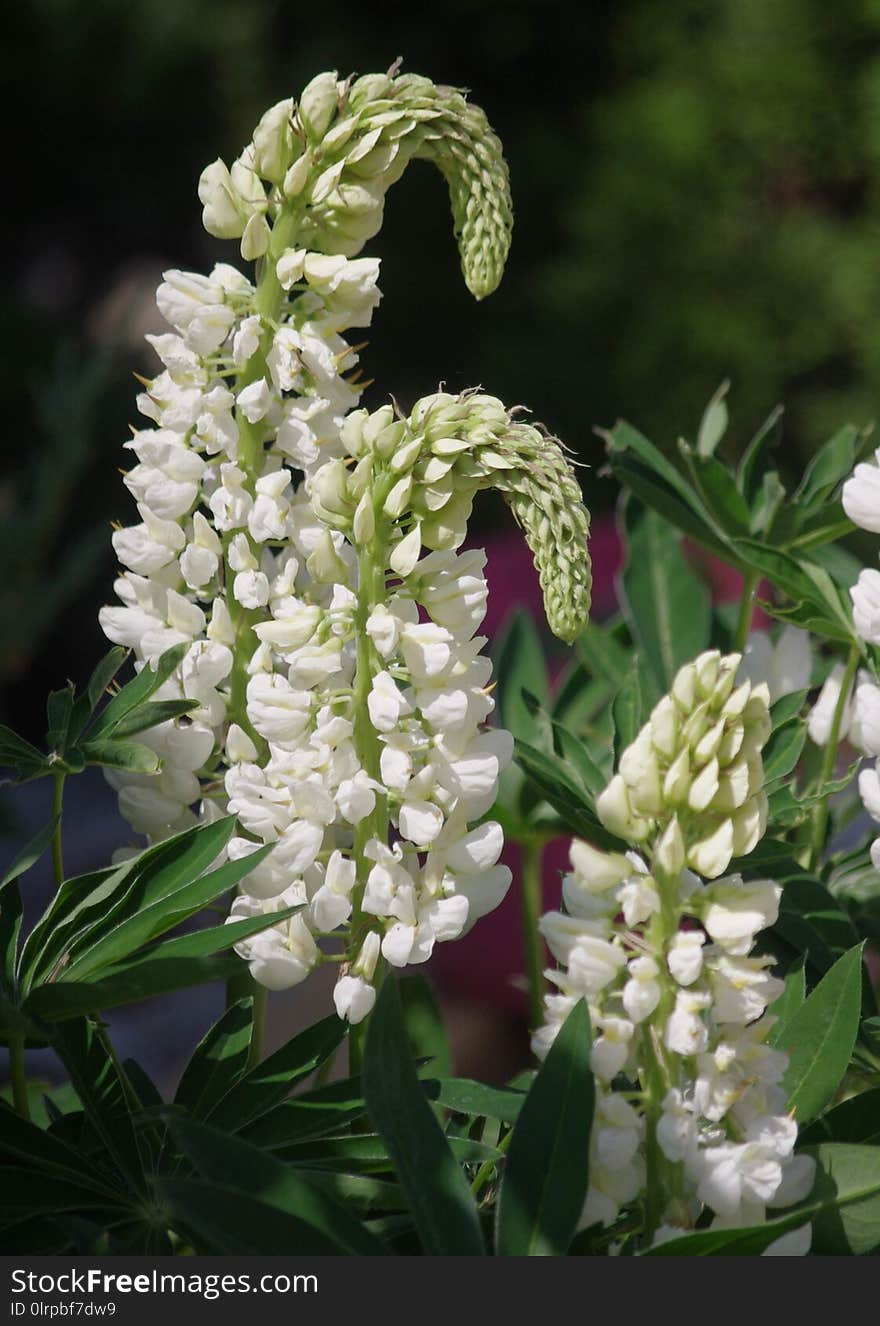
pixel 751 580
pixel 533 945
pixel 829 758
pixel 57 852
pixel 18 1075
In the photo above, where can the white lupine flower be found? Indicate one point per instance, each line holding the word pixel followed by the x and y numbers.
pixel 693 998
pixel 822 713
pixel 258 572
pixel 861 497
pixel 785 666
pixel 864 724
pixel 869 791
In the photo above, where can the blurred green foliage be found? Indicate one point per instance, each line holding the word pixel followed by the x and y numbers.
pixel 696 194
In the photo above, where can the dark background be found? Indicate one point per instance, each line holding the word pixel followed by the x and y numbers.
pixel 696 198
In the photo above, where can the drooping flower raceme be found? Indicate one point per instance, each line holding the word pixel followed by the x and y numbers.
pixel 306 553
pixel 658 940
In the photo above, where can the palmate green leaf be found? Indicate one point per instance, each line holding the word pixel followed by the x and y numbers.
pixel 30 853
pixel 97 1082
pixel 156 915
pixel 786 708
pixel 219 1061
pixel 328 1109
pixel 144 978
pixel 20 755
pixel 368 1153
pixel 577 758
pixel 856 1121
pixel 805 582
pixel 547 1169
pixel 440 1200
pixel 767 506
pixel 578 698
pixel 666 606
pixel 59 708
pixel 213 938
pixel 718 492
pixel 269 1082
pixel 820 1035
pixel 24 1194
pixel 238 1167
pixel 139 689
pixel 87 907
pixel 603 656
pixel 684 512
pixel 23 1143
pixel 568 797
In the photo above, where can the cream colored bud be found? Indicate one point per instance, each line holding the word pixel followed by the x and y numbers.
pixel 375 424
pixel 318 104
pixel 707 671
pixel 224 213
pixel 749 825
pixel 255 240
pixel 669 852
pixel 695 726
pixel 274 141
pixel 664 727
pixel 351 435
pixel 398 498
pixel 615 811
pixel 733 787
pixel 239 747
pixel 296 178
pixel 738 699
pixel 325 564
pixel 704 787
pixel 598 870
pixel 404 457
pixel 329 488
pixel 708 745
pixel 364 524
pixel 677 782
pixel 731 744
pixel 726 680
pixel 289 269
pixel 684 688
pixel 711 856
pixel 406 553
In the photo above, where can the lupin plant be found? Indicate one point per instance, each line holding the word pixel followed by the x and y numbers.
pixel 309 745
pixel 305 552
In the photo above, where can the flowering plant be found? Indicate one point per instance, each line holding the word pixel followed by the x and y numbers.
pixel 308 741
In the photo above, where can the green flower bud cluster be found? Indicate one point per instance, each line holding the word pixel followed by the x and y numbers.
pixel 331 158
pixel 421 474
pixel 691 784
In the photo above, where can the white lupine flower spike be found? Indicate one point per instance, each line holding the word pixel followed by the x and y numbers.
pixel 305 552
pixel 660 946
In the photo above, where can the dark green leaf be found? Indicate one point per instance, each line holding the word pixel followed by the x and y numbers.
pixel 783 750
pixel 566 796
pixel 744 1242
pixel 269 1082
pixel 30 853
pixel 667 607
pixel 219 1061
pixel 752 467
pixel 627 712
pixel 150 714
pixel 423 1022
pixel 520 666
pixel 788 1003
pixel 241 1168
pixel 546 1172
pixel 856 1121
pixel 820 1035
pixel 104 674
pixel 59 707
pixel 831 464
pixel 113 754
pixel 140 688
pixel 466 1097
pixel 439 1197
pixel 144 978
pixel 845 1202
pixel 103 1092
pixel 10 926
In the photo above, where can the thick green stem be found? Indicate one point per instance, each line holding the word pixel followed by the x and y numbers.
pixel 57 851
pixel 829 758
pixel 533 945
pixel 751 580
pixel 18 1075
